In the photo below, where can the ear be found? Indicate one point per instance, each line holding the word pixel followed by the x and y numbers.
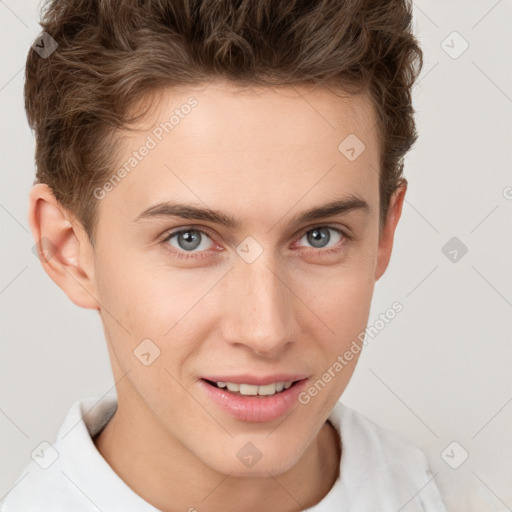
pixel 388 231
pixel 63 247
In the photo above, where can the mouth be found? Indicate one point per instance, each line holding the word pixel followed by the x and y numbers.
pixel 262 399
pixel 253 390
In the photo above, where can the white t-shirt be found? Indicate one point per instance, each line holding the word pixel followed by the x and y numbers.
pixel 380 470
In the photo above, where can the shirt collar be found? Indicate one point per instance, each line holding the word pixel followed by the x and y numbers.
pixel 83 464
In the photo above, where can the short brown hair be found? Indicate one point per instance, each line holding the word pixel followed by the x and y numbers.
pixel 111 54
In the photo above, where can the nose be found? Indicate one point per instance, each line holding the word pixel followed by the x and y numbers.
pixel 259 308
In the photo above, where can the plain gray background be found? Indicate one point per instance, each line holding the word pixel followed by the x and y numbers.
pixel 438 373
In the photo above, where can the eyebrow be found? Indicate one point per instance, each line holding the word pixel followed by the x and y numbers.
pixel 341 206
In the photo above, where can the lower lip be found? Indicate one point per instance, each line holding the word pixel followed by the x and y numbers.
pixel 258 409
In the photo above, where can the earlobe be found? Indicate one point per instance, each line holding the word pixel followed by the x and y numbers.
pixel 63 248
pixel 388 232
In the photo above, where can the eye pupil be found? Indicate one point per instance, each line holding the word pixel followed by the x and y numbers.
pixel 319 237
pixel 191 239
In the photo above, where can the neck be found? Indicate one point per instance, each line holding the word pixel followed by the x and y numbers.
pixel 171 478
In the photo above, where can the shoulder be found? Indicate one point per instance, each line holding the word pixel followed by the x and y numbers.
pixel 383 464
pixel 49 480
pixel 384 444
pixel 37 489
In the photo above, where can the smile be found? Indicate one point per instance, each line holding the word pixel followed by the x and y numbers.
pixel 251 389
pixel 259 403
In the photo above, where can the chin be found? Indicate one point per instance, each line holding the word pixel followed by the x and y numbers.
pixel 266 462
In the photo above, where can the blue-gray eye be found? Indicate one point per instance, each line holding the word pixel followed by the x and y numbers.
pixel 188 239
pixel 320 237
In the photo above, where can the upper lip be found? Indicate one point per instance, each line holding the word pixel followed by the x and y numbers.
pixel 257 380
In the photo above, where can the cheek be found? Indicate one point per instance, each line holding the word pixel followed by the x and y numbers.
pixel 147 297
pixel 342 298
pixel 343 304
pixel 344 308
pixel 153 303
pixel 146 320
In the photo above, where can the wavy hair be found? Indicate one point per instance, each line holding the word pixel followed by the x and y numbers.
pixel 112 54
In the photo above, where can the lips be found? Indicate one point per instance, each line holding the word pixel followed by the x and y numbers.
pixel 250 408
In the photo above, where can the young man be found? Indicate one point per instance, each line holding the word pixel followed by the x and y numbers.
pixel 222 182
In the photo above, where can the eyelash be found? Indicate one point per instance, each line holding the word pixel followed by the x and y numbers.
pixel 346 239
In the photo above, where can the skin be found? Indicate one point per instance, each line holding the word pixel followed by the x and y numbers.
pixel 262 155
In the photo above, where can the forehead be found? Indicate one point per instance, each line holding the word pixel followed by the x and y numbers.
pixel 282 115
pixel 206 142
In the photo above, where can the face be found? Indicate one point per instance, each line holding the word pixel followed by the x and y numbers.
pixel 252 292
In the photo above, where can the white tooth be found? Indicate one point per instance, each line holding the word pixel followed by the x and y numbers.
pixel 252 390
pixel 248 389
pixel 268 389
